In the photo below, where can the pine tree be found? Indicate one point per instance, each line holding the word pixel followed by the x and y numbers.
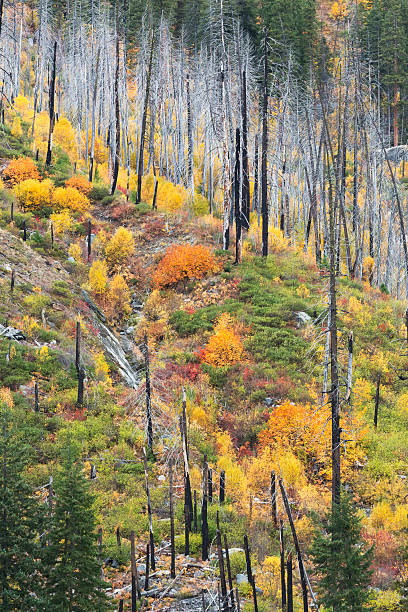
pixel 341 560
pixel 74 583
pixel 20 524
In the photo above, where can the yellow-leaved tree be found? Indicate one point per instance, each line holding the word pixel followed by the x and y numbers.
pixel 119 249
pixel 119 296
pixel 98 277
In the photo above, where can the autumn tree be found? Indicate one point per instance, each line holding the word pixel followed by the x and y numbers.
pixel 224 347
pixel 20 169
pixel 184 262
pixel 119 249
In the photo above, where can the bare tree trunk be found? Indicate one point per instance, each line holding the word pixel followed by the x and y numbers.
pixel 245 168
pixel 237 181
pixel 140 168
pixel 264 159
pixel 51 107
pixel 116 162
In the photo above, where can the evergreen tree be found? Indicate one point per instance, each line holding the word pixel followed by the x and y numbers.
pixel 341 560
pixel 20 523
pixel 74 583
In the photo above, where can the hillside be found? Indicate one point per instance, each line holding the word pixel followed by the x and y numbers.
pixel 203 313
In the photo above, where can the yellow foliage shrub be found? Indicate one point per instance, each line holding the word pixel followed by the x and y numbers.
pixel 102 369
pixel 98 277
pixel 20 170
pixel 80 183
pixel 33 195
pixel 62 222
pixel 224 346
pixel 170 198
pixel 119 295
pixel 64 136
pixel 368 267
pixel 276 240
pixel 303 291
pixel 74 251
pixel 16 129
pixel 269 577
pixel 119 249
pixel 69 198
pixel 182 263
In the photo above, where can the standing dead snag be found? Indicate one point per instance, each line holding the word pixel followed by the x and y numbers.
pixel 250 576
pixel 204 522
pixel 349 367
pixel 210 486
pixel 264 154
pixel 51 107
pixel 222 486
pixel 172 542
pixel 146 584
pixel 36 402
pixel 282 566
pixel 245 170
pixel 290 583
pixel 237 185
pixel 143 127
pixel 230 585
pixel 377 400
pixel 117 116
pixel 273 499
pixel 224 594
pixel 12 281
pixel 149 422
pixel 89 239
pixel 80 370
pixel 135 574
pixel 303 575
pixel 149 511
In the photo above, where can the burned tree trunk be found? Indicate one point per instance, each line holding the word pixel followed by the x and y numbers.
pixel 264 158
pixel 251 578
pixel 116 162
pixel 273 499
pixel 282 566
pixel 377 400
pixel 149 512
pixel 224 594
pixel 140 167
pixel 245 168
pixel 172 542
pixel 204 521
pixel 51 107
pixel 237 181
pixel 149 420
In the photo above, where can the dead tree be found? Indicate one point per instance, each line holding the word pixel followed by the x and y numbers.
pixel 282 566
pixel 250 575
pixel 264 154
pixel 224 594
pixel 116 162
pixel 204 520
pixel 377 400
pixel 172 542
pixel 143 126
pixel 273 499
pixel 245 207
pixel 51 107
pixel 149 421
pixel 237 185
pixel 149 511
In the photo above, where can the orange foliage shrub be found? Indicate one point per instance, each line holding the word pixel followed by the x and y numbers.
pixel 19 170
pixel 80 183
pixel 184 262
pixel 224 347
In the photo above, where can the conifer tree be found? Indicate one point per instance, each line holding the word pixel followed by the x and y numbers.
pixel 341 560
pixel 74 582
pixel 20 524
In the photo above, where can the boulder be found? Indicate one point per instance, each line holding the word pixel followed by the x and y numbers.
pixel 302 318
pixel 242 579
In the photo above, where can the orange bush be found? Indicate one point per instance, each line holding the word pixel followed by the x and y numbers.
pixel 80 183
pixel 20 170
pixel 184 262
pixel 224 347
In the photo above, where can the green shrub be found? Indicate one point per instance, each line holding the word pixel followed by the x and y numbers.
pixel 238 563
pixel 195 543
pixel 142 208
pixel 99 192
pixel 111 549
pixel 36 303
pixel 108 200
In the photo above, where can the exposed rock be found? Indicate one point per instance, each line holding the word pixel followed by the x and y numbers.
pixel 302 318
pixel 242 579
pixel 11 333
